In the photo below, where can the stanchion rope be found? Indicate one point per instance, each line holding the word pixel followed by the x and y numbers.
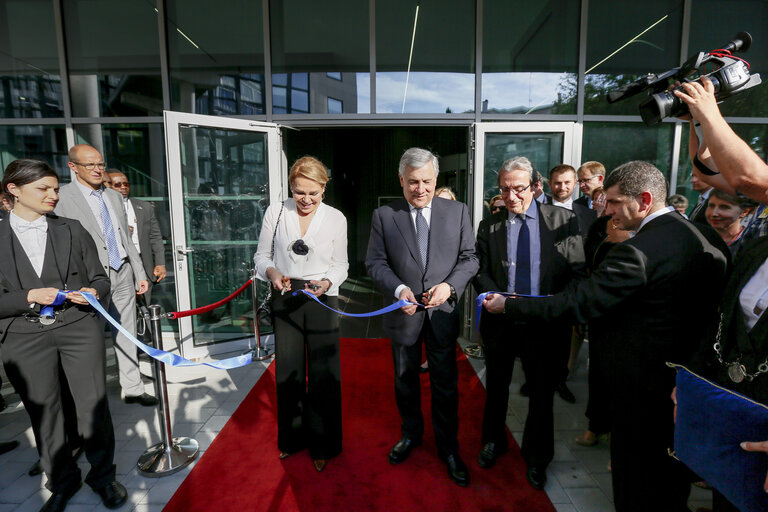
pixel 173 315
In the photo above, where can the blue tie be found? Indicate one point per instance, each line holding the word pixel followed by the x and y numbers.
pixel 115 261
pixel 523 260
pixel 422 237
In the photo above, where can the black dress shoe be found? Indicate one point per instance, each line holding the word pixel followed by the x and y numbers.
pixel 489 454
pixel 565 393
pixel 7 446
pixel 113 494
pixel 143 399
pixel 457 470
pixel 402 449
pixel 36 469
pixel 537 477
pixel 58 500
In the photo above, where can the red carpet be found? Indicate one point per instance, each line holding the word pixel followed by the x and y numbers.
pixel 241 471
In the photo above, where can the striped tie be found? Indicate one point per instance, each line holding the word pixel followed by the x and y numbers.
pixel 115 261
pixel 422 237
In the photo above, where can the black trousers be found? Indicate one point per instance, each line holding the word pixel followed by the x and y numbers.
pixel 33 362
pixel 443 379
pixel 308 374
pixel 540 351
pixel 598 402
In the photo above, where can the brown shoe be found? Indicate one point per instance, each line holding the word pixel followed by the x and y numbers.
pixel 319 464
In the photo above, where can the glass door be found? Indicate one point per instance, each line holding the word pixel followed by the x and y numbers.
pixel 544 144
pixel 222 175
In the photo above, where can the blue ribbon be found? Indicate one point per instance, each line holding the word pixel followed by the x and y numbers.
pixel 397 305
pixel 47 311
pixel 482 296
pixel 161 355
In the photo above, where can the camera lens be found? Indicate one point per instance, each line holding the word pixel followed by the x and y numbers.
pixel 660 106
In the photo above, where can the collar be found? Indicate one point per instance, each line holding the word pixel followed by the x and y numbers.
pixel 411 207
pixel 565 204
pixel 87 190
pixel 531 213
pixel 657 213
pixel 705 195
pixel 41 223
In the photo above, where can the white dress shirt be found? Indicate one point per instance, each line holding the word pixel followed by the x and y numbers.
pixel 568 205
pixel 133 223
pixel 326 238
pixel 33 237
pixel 93 203
pixel 754 296
pixel 657 213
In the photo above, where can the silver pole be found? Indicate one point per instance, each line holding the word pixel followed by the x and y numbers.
pixel 258 353
pixel 171 454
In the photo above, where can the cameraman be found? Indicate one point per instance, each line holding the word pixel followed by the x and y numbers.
pixel 741 168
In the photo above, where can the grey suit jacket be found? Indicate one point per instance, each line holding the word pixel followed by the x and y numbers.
pixel 393 259
pixel 73 204
pixel 150 238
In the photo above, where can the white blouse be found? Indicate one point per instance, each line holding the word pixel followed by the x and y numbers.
pixel 326 238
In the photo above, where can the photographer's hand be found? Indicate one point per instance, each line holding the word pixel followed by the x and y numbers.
pixel 700 98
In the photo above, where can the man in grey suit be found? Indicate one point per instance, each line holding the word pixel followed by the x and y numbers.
pixel 144 228
pixel 101 213
pixel 421 249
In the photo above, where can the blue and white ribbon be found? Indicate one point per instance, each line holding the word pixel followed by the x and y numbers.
pixel 161 355
pixel 482 296
pixel 392 307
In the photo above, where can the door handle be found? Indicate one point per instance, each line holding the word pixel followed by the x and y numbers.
pixel 182 251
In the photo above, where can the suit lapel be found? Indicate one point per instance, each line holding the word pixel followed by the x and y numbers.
pixel 402 218
pixel 61 242
pixel 547 242
pixel 81 202
pixel 8 268
pixel 498 245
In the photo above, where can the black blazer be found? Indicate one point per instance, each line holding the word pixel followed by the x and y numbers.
pixel 77 262
pixel 583 201
pixel 656 293
pixel 393 259
pixel 586 216
pixel 562 252
pixel 150 238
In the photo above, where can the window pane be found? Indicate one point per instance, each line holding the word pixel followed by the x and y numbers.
pixel 29 66
pixel 531 70
pixel 216 55
pixel 442 66
pixel 328 55
pixel 713 24
pixel 47 143
pixel 611 26
pixel 335 106
pixel 114 58
pixel 613 144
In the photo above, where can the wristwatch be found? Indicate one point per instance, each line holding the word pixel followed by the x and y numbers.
pixel 453 291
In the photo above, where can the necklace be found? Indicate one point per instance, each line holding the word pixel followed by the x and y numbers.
pixel 737 372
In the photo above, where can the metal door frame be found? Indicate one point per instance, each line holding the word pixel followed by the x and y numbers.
pixel 277 186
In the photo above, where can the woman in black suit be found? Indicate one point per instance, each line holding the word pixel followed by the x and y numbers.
pixel 43 254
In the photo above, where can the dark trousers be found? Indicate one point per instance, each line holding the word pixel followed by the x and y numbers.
pixel 645 477
pixel 308 374
pixel 503 343
pixel 443 378
pixel 598 402
pixel 32 362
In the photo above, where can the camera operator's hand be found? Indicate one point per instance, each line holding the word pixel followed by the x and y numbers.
pixel 700 98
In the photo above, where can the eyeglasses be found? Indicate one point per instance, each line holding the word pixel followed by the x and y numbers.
pixel 517 190
pixel 91 166
pixel 581 182
pixel 120 184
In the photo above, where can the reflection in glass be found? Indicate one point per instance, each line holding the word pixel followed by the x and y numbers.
pixel 113 54
pixel 216 56
pixel 529 66
pixel 441 58
pixel 544 150
pixel 613 144
pixel 47 143
pixel 626 40
pixel 225 182
pixel 29 66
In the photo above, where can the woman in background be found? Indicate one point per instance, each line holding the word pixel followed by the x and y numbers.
pixel 303 246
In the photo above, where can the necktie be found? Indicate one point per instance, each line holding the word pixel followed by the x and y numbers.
pixel 422 237
pixel 115 261
pixel 523 260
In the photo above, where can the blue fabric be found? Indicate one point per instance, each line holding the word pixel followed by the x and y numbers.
pixel 711 424
pixel 61 296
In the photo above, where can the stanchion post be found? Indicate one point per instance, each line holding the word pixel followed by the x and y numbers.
pixel 258 353
pixel 171 454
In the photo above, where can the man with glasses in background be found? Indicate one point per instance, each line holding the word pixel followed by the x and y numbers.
pixel 531 249
pixel 144 228
pixel 591 176
pixel 101 213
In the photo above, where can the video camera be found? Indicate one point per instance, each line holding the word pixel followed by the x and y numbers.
pixel 730 76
